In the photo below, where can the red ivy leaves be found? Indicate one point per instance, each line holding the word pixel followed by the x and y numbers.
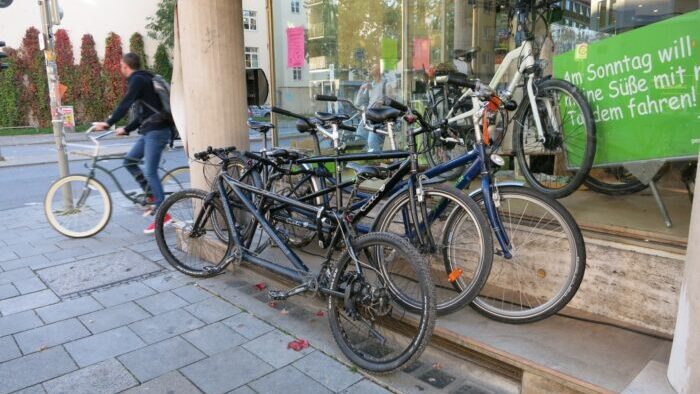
pixel 90 87
pixel 34 98
pixel 65 62
pixel 115 82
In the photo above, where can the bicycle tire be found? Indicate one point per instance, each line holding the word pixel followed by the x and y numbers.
pixel 425 319
pixel 521 132
pixel 94 184
pixel 169 252
pixel 458 292
pixel 177 182
pixel 629 184
pixel 575 276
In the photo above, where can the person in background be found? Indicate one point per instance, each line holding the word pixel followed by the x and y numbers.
pixel 368 94
pixel 152 125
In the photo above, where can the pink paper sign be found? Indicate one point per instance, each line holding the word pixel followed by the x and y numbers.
pixel 295 46
pixel 421 53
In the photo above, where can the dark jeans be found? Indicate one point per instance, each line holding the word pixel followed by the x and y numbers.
pixel 149 147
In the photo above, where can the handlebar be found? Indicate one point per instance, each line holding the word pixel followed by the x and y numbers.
pixel 218 152
pixel 324 97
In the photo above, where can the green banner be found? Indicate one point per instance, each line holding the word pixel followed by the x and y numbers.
pixel 642 86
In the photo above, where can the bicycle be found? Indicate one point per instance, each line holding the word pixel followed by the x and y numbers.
pixel 79 205
pixel 375 333
pixel 554 136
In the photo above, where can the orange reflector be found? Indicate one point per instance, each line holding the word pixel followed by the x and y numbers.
pixel 454 275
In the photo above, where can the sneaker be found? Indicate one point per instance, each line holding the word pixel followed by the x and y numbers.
pixel 152 228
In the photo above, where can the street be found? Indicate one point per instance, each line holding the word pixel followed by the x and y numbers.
pixel 26 185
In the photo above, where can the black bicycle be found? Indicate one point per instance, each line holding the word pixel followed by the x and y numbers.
pixel 79 205
pixel 374 331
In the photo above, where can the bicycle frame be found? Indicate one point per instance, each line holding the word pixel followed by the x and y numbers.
pixel 299 272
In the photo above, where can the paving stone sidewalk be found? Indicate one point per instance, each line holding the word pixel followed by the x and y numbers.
pixel 107 315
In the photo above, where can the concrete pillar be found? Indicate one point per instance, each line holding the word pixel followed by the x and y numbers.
pixel 210 44
pixel 684 366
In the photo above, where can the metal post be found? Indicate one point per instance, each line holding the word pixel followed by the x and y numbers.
pixel 55 97
pixel 273 72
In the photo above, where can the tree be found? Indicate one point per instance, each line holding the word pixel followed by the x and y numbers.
pixel 161 27
pixel 115 85
pixel 34 98
pixel 162 65
pixel 90 89
pixel 66 64
pixel 136 46
pixel 10 86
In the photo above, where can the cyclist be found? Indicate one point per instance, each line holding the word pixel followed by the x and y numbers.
pixel 151 124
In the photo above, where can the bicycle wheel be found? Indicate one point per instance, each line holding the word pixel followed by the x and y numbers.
pixel 296 187
pixel 175 180
pixel 557 165
pixel 614 181
pixel 438 151
pixel 375 333
pixel 78 206
pixel 244 219
pixel 189 247
pixel 464 247
pixel 548 263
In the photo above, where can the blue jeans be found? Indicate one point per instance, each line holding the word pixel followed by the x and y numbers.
pixel 149 147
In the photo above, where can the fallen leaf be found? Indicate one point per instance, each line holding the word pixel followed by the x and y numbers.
pixel 437 366
pixel 298 345
pixel 272 304
pixel 284 311
pixel 320 314
pixel 260 286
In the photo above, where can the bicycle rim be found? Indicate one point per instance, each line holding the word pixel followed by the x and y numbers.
pixel 375 333
pixel 192 249
pixel 558 165
pixel 463 243
pixel 77 206
pixel 548 260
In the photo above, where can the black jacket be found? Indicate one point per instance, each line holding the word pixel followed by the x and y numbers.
pixel 140 88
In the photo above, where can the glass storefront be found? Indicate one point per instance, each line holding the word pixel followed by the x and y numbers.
pixel 362 50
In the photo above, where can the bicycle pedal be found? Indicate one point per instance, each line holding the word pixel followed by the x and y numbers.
pixel 277 295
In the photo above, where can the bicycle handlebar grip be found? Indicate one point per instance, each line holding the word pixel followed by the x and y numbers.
pixel 324 97
pixel 281 111
pixel 201 155
pixel 462 80
pixel 395 104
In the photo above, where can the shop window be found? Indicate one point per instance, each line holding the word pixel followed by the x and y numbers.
pixel 250 20
pixel 251 57
pixel 296 73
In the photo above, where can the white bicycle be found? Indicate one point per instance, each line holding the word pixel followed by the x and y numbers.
pixel 554 136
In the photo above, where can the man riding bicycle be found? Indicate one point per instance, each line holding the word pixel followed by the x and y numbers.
pixel 152 124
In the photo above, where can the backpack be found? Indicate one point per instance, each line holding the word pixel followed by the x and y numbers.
pixel 162 88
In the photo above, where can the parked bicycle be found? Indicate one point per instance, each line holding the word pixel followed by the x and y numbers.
pixel 554 135
pixel 80 206
pixel 374 332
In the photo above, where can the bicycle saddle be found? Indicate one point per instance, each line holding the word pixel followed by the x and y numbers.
pixel 382 114
pixel 281 153
pixel 304 127
pixel 368 171
pixel 262 127
pixel 465 54
pixel 329 117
